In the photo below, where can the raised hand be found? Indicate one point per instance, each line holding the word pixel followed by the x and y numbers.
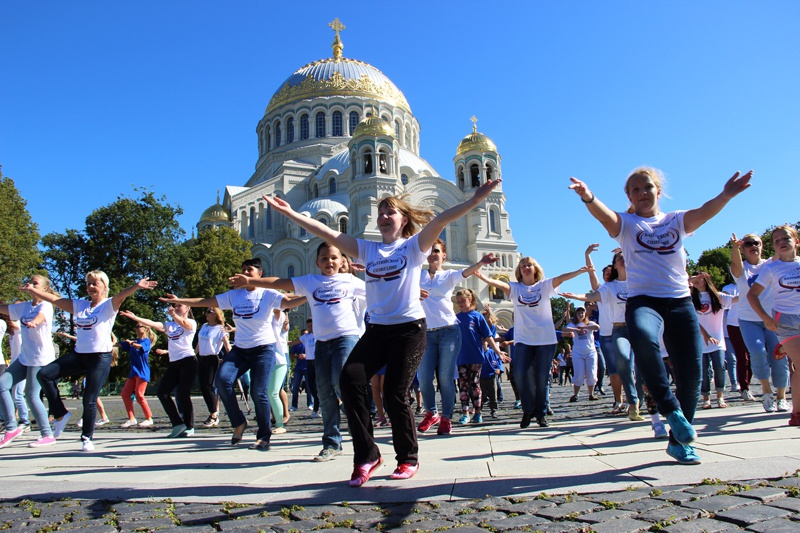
pixel 238 281
pixel 581 189
pixel 484 190
pixel 128 314
pixel 489 259
pixel 146 284
pixel 280 205
pixel 737 184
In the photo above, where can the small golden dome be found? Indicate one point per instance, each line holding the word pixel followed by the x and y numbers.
pixel 475 141
pixel 373 127
pixel 216 213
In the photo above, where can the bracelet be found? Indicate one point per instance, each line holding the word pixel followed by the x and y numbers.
pixel 589 200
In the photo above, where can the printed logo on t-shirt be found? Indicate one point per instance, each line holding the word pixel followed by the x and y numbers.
pixel 245 310
pixel 175 333
pixel 622 296
pixel 86 323
pixel 661 242
pixel 791 281
pixel 529 299
pixel 330 295
pixel 386 269
pixel 705 308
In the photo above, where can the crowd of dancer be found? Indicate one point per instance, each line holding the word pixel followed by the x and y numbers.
pixel 647 323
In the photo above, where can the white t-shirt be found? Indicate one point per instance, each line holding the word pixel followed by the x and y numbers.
pixel 533 317
pixel 3 328
pixel 392 274
pixel 209 339
pixel 37 343
pixel 713 322
pixel 750 274
pixel 614 297
pixel 281 346
pixel 15 341
pixel 732 314
pixel 252 314
pixel 438 306
pixel 655 259
pixel 332 301
pixel 180 340
pixel 308 343
pixel 583 342
pixel 784 279
pixel 93 325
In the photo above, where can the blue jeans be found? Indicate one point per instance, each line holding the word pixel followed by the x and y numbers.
pixel 761 344
pixel 623 355
pixel 95 366
pixel 601 365
pixel 730 362
pixel 532 374
pixel 15 374
pixel 713 361
pixel 297 380
pixel 608 354
pixel 647 319
pixel 329 360
pixel 441 351
pixel 258 360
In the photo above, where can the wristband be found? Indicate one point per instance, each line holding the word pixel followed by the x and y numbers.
pixel 589 200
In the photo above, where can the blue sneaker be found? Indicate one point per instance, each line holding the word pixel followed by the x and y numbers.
pixel 464 419
pixel 683 454
pixel 682 430
pixel 477 419
pixel 518 404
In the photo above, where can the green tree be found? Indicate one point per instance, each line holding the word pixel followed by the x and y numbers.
pixel 209 260
pixel 19 236
pixel 716 262
pixel 65 259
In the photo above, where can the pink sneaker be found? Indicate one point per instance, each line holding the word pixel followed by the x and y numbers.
pixel 445 426
pixel 431 419
pixel 44 441
pixel 362 473
pixel 405 471
pixel 9 436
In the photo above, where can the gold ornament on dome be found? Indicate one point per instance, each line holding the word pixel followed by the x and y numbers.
pixel 373 126
pixel 475 141
pixel 338 85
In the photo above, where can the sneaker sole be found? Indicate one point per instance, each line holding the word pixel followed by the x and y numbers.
pixel 683 461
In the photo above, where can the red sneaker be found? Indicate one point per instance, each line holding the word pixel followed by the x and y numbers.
pixel 362 472
pixel 429 420
pixel 445 427
pixel 405 471
pixel 795 420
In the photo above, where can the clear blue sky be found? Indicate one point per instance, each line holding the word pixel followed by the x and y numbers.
pixel 99 96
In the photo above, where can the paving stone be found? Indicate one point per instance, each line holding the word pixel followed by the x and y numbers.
pixel 604 516
pixel 320 511
pixel 248 512
pixel 678 497
pixel 642 506
pixel 302 525
pixel 96 525
pixel 715 504
pixel 702 525
pixel 427 525
pixel 671 514
pixel 479 517
pixel 706 490
pixel 490 503
pixel 252 524
pixel 149 523
pixel 563 527
pixel 620 498
pixel 517 522
pixel 468 529
pixel 764 494
pixel 564 511
pixel 207 528
pixel 745 516
pixel 529 507
pixel 202 518
pixel 793 504
pixel 776 525
pixel 622 525
pixel 788 482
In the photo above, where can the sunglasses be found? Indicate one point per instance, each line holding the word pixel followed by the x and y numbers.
pixel 752 243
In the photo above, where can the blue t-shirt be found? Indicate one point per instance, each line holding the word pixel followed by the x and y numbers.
pixel 301 364
pixel 509 336
pixel 140 366
pixel 473 330
pixel 491 363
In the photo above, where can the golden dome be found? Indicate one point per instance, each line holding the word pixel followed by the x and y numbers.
pixel 475 141
pixel 216 213
pixel 373 127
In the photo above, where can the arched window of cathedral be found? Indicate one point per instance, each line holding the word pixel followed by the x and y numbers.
pixel 408 139
pixel 475 174
pixel 290 271
pixel 504 261
pixel 492 221
pixel 267 137
pixel 460 175
pixel 251 226
pixel 353 122
pixel 323 220
pixel 304 127
pixel 320 125
pixel 316 191
pixel 397 129
pixel 303 232
pixel 489 172
pixel 268 217
pixel 386 119
pixel 338 129
pixel 404 179
pixel 343 225
pixel 383 163
pixel 368 163
pixel 277 133
pixel 290 130
pixel 332 186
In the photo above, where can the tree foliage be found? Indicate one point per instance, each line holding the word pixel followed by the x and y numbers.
pixel 19 237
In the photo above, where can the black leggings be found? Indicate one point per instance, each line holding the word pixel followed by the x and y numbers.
pixel 180 373
pixel 207 366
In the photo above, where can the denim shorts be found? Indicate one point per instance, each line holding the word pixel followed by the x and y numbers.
pixel 788 325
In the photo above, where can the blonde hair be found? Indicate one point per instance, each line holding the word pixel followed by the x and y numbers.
pixel 538 273
pixel 416 217
pixel 489 316
pixel 753 236
pixel 655 175
pixel 219 314
pixel 469 293
pixel 102 276
pixel 45 283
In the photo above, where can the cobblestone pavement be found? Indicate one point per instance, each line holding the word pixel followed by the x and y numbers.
pixel 759 505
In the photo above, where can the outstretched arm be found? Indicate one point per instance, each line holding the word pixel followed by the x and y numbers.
pixel 737 265
pixel 587 297
pixel 62 303
pixel 346 243
pixel 695 218
pixel 488 259
pixel 290 301
pixel 593 279
pixel 496 283
pixel 240 281
pixel 159 326
pixel 608 218
pixel 144 284
pixel 558 280
pixel 191 302
pixel 434 228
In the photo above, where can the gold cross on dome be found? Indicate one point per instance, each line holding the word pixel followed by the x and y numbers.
pixel 337 45
pixel 474 120
pixel 336 26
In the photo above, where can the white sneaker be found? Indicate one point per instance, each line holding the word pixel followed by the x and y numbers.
pixel 101 422
pixel 128 424
pixel 24 427
pixel 60 425
pixel 769 403
pixel 87 444
pixel 146 423
pixel 783 405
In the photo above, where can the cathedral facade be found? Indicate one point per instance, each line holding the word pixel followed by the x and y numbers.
pixel 338 136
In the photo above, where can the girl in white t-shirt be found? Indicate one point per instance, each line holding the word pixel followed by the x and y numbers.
pixel 783 277
pixel 658 293
pixel 584 353
pixel 36 323
pixel 395 336
pixel 182 368
pixel 91 355
pixel 211 338
pixel 534 334
pixel 710 305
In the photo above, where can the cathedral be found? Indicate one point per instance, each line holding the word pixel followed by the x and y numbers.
pixel 336 137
